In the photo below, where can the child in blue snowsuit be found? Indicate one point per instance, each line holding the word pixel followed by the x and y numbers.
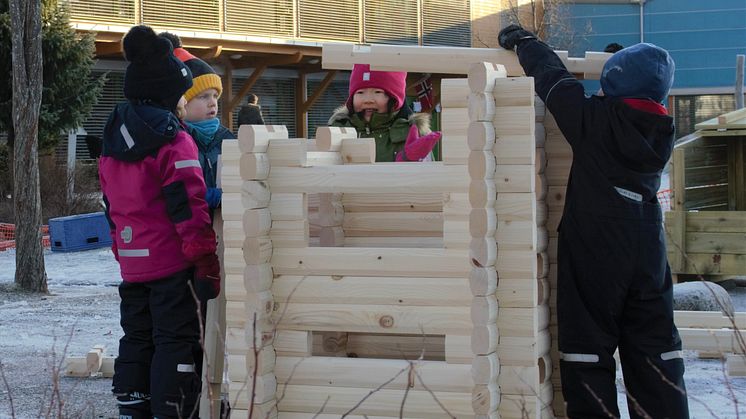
pixel 614 282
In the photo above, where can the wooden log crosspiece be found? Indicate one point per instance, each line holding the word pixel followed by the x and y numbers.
pixel 93 364
pixel 255 138
pixel 445 60
pixel 331 138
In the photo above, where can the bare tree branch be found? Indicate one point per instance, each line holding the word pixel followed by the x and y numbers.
pixel 599 401
pixel 323 406
pixel 374 391
pixel 422 382
pixel 682 391
pixel 7 388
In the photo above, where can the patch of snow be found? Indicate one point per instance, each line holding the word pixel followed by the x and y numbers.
pixel 83 310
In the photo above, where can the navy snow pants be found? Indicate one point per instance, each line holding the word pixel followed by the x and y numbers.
pixel 615 291
pixel 158 368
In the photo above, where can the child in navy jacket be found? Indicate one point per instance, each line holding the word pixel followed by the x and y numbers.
pixel 614 282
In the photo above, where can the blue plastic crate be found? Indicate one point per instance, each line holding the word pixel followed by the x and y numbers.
pixel 79 232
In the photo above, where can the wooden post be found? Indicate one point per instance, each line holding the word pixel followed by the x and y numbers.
pixel 740 58
pixel 226 118
pixel 72 140
pixel 739 168
pixel 214 340
pixel 677 180
pixel 303 104
pixel 301 117
pixel 678 237
pixel 733 192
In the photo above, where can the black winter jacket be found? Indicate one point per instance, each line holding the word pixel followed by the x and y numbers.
pixel 617 149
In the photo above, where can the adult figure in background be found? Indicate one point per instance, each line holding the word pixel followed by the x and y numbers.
pixel 251 113
pixel 613 47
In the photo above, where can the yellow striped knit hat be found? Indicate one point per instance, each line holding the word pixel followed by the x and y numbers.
pixel 203 76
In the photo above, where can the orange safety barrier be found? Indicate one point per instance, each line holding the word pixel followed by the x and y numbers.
pixel 8 236
pixel 664 198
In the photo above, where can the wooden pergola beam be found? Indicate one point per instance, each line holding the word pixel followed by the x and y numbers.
pixel 228 45
pixel 319 91
pixel 108 48
pixel 269 61
pixel 258 71
pixel 301 118
pixel 210 53
pixel 248 84
pixel 226 117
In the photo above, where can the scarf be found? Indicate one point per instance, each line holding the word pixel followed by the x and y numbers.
pixel 204 131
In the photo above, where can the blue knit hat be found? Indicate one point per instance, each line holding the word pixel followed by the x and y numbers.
pixel 642 71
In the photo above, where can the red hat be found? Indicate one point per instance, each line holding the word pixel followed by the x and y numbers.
pixel 394 83
pixel 203 76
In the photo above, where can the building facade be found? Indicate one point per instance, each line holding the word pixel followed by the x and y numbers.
pixel 272 48
pixel 703 38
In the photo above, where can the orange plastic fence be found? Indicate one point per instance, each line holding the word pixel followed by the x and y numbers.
pixel 8 236
pixel 664 197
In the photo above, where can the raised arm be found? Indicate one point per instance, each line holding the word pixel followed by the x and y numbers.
pixel 561 92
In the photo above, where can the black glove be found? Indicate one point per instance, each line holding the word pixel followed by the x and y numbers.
pixel 512 35
pixel 207 277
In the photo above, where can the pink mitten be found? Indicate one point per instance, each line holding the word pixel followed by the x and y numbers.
pixel 417 148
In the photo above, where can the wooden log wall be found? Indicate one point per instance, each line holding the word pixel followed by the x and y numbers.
pixel 557 170
pixel 706 242
pixel 700 177
pixel 446 265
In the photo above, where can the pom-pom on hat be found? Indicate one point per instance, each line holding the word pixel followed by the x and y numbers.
pixel 642 71
pixel 203 75
pixel 153 73
pixel 394 83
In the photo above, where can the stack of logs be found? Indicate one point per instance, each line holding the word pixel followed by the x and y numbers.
pixel 356 271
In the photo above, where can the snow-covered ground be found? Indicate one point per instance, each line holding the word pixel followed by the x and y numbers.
pixel 83 310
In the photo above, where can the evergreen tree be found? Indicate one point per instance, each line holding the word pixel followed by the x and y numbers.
pixel 69 92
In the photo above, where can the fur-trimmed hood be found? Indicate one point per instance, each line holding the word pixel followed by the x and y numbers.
pixel 422 120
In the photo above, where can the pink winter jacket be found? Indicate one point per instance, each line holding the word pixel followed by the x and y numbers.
pixel 154 193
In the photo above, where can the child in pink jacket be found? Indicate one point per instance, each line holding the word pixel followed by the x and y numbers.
pixel 155 202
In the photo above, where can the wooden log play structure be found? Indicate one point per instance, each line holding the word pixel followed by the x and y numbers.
pixel 707 225
pixel 352 285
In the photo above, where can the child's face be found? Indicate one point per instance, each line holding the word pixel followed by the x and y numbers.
pixel 369 101
pixel 203 106
pixel 181 108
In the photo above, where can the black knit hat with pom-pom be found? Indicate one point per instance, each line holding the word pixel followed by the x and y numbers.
pixel 154 73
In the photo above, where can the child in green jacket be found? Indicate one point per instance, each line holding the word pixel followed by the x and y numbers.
pixel 375 108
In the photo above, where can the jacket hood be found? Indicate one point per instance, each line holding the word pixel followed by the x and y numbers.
pixel 422 120
pixel 643 140
pixel 135 131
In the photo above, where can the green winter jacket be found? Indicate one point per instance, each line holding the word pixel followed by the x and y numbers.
pixel 389 130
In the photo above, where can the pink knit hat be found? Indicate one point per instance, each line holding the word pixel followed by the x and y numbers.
pixel 394 83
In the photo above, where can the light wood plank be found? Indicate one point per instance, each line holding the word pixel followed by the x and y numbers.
pixel 454 93
pixel 372 262
pixel 373 178
pixel 373 290
pixel 708 319
pixel 356 202
pixel 300 398
pixel 374 318
pixel 370 224
pixel 371 373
